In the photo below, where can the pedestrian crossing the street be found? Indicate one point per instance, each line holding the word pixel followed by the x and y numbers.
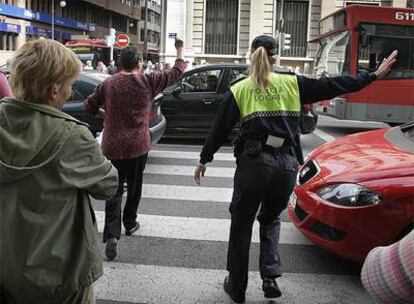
pixel 179 253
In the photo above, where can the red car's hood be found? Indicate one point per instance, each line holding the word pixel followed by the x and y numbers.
pixel 363 157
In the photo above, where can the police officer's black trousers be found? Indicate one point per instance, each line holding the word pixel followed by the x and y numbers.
pixel 264 182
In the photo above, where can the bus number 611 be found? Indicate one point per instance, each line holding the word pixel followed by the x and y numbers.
pixel 404 16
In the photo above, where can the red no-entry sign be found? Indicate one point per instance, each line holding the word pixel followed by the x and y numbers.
pixel 122 40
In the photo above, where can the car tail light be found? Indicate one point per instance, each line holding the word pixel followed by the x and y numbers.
pixel 155 114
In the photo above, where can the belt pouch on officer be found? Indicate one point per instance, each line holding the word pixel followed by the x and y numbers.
pixel 252 170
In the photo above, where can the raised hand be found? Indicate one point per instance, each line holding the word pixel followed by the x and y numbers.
pixel 179 44
pixel 386 65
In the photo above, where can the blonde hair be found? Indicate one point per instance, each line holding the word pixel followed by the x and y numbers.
pixel 39 65
pixel 259 68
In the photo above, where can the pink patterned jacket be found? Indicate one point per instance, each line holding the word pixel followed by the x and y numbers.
pixel 388 272
pixel 127 100
pixel 5 90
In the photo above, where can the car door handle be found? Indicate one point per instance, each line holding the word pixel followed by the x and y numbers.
pixel 208 101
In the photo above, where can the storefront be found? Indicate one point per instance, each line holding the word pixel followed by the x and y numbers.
pixel 41 23
pixel 8 36
pixel 36 32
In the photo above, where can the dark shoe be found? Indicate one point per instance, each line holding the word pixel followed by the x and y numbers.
pixel 132 230
pixel 238 298
pixel 270 288
pixel 110 249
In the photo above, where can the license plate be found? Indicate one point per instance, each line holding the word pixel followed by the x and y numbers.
pixel 293 199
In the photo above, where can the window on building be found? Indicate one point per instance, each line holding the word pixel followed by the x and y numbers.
pixel 45 6
pixel 8 41
pixel 142 34
pixel 221 27
pixel 295 15
pixel 100 17
pixel 39 5
pixel 119 22
pixel 9 2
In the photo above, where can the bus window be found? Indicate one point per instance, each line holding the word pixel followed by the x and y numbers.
pixel 332 58
pixel 381 41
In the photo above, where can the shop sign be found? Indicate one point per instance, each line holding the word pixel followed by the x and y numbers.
pixel 19 12
pixel 8 27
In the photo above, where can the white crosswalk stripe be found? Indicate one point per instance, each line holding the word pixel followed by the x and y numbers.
pixel 188 170
pixel 134 281
pixel 189 155
pixel 206 229
pixel 187 193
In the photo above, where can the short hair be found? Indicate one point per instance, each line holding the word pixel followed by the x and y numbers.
pixel 129 58
pixel 38 65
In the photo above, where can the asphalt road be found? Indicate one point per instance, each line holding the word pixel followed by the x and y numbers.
pixel 179 253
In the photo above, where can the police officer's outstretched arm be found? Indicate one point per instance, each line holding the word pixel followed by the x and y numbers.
pixel 313 90
pixel 226 118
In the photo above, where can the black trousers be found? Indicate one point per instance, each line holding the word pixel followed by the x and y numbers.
pixel 131 171
pixel 266 182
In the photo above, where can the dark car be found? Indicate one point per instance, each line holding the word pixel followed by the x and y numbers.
pixel 190 105
pixel 84 86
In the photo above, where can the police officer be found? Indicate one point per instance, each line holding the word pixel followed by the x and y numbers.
pixel 268 154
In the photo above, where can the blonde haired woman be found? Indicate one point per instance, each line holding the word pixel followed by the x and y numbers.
pixel 268 154
pixel 49 165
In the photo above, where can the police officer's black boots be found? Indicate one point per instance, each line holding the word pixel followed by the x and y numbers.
pixel 270 288
pixel 237 297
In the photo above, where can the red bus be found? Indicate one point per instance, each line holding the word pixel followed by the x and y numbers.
pixel 357 38
pixel 93 49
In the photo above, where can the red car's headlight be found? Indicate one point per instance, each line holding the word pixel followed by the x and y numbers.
pixel 350 195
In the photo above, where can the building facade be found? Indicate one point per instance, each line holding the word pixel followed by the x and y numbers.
pixel 21 20
pixel 222 30
pixel 151 15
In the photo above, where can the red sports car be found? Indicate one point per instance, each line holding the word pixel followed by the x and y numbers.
pixel 357 192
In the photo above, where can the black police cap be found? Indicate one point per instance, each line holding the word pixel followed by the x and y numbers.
pixel 268 42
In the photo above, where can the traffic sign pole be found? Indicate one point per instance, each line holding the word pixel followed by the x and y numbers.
pixel 110 42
